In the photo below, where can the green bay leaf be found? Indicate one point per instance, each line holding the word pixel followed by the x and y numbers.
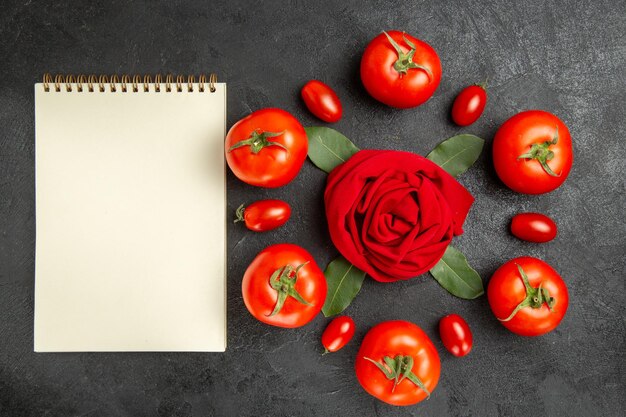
pixel 344 282
pixel 454 274
pixel 328 148
pixel 456 154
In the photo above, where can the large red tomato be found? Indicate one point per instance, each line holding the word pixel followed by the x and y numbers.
pixel 400 70
pixel 398 363
pixel 532 152
pixel 528 296
pixel 283 286
pixel 266 148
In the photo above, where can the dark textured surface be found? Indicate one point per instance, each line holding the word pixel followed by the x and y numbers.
pixel 566 57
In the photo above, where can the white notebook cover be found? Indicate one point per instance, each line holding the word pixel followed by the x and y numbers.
pixel 130 218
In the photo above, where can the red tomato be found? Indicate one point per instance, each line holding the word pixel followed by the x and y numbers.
pixel 266 148
pixel 398 363
pixel 455 335
pixel 469 105
pixel 322 101
pixel 338 333
pixel 264 215
pixel 532 152
pixel 533 227
pixel 283 286
pixel 528 296
pixel 400 70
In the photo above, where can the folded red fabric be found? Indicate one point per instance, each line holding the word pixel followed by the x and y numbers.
pixel 392 214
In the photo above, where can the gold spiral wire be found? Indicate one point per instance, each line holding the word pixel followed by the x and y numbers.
pixel 113 84
pixel 69 80
pixel 80 80
pixel 125 80
pixel 91 80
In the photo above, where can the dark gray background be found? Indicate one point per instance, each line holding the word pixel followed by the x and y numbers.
pixel 566 57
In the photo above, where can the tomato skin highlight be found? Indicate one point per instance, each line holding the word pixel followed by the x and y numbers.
pixel 533 227
pixel 338 333
pixel 469 105
pixel 456 335
pixel 516 136
pixel 322 101
pixel 506 290
pixel 274 165
pixel 392 338
pixel 260 298
pixel 264 215
pixel 384 83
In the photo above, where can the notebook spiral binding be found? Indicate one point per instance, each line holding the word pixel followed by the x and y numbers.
pixel 134 84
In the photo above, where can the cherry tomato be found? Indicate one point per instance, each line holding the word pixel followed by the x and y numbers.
pixel 400 70
pixel 527 296
pixel 264 215
pixel 322 101
pixel 266 148
pixel 398 363
pixel 455 334
pixel 283 286
pixel 469 105
pixel 338 333
pixel 532 152
pixel 533 227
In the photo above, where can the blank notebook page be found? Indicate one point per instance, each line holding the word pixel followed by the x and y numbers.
pixel 130 206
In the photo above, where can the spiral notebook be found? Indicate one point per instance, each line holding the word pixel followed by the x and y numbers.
pixel 130 214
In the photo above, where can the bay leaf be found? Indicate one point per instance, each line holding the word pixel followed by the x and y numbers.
pixel 456 154
pixel 328 148
pixel 344 282
pixel 454 274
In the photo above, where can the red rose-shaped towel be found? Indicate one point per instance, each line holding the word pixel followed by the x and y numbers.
pixel 392 214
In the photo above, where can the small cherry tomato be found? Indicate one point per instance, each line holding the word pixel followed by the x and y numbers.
pixel 398 363
pixel 322 101
pixel 533 227
pixel 338 333
pixel 532 152
pixel 455 335
pixel 527 296
pixel 399 70
pixel 266 148
pixel 264 215
pixel 283 286
pixel 469 105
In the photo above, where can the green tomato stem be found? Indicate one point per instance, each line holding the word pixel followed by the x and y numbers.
pixel 283 280
pixel 542 153
pixel 535 297
pixel 405 60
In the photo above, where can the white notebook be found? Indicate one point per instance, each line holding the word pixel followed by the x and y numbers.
pixel 130 215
